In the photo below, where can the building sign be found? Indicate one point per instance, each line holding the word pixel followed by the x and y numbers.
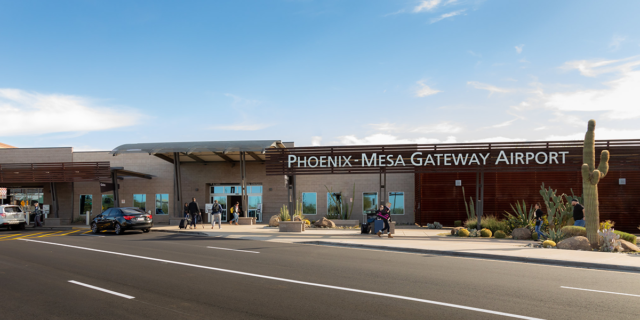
pixel 433 159
pixel 3 193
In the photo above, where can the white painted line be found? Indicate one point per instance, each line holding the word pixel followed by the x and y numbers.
pixel 233 250
pixel 622 294
pixel 444 304
pixel 101 289
pixel 92 235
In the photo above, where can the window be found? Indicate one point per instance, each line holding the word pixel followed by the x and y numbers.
pixel 217 189
pixel 86 204
pixel 255 207
pixel 309 203
pixel 369 202
pixel 140 201
pixel 107 201
pixel 397 202
pixel 254 189
pixel 107 213
pixel 162 203
pixel 334 204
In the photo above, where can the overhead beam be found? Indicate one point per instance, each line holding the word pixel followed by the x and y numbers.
pixel 194 157
pixel 255 156
pixel 224 156
pixel 163 157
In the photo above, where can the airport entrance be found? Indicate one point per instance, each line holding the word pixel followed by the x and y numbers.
pixel 230 194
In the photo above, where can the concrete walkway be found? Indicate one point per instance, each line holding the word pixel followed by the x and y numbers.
pixel 426 241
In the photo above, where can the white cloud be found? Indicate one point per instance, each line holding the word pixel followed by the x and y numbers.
pixel 426 5
pixel 381 138
pixel 244 126
pixel 594 68
pixel 601 134
pixel 502 124
pixel 33 113
pixel 316 141
pixel 448 15
pixel 498 139
pixel 621 100
pixel 616 41
pixel 442 127
pixel 519 48
pixel 425 90
pixel 483 86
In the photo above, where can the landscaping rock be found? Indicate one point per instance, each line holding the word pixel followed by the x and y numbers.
pixel 575 243
pixel 274 221
pixel 627 246
pixel 297 218
pixel 324 222
pixel 521 234
pixel 454 231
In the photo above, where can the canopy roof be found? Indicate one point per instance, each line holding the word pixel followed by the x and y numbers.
pixel 202 151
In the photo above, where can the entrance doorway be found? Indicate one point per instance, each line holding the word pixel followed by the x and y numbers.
pixel 232 203
pixel 228 195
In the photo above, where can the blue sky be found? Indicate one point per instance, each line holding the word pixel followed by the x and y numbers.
pixel 97 74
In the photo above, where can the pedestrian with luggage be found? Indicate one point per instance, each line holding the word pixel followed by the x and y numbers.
pixel 37 215
pixel 539 220
pixel 236 213
pixel 385 214
pixel 216 214
pixel 194 212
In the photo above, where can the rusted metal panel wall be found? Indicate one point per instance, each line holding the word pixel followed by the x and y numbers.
pixel 441 201
pixel 54 172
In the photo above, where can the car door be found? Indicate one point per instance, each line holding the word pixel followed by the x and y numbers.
pixel 112 218
pixel 101 220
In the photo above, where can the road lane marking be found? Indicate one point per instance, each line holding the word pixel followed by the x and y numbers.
pixel 444 304
pixel 29 235
pixel 101 289
pixel 233 250
pixel 9 235
pixel 622 294
pixel 64 234
pixel 49 234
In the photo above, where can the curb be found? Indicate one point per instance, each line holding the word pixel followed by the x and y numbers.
pixel 195 233
pixel 51 228
pixel 561 263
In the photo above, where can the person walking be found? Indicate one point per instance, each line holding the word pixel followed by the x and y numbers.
pixel 236 213
pixel 194 211
pixel 539 220
pixel 216 214
pixel 37 215
pixel 578 213
pixel 385 214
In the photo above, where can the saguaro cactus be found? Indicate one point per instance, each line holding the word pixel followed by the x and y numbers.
pixel 590 178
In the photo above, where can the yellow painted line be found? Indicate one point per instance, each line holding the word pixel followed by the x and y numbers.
pixel 26 235
pixel 64 234
pixel 10 235
pixel 87 232
pixel 49 234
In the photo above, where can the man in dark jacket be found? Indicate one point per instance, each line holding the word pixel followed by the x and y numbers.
pixel 194 211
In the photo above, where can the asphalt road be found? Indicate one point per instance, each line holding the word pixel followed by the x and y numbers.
pixel 171 276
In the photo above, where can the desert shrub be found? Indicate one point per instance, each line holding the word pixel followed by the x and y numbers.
pixel 307 222
pixel 485 233
pixel 608 224
pixel 458 223
pixel 500 234
pixel 548 244
pixel 574 231
pixel 521 216
pixel 609 240
pixel 492 223
pixel 555 236
pixel 430 226
pixel 626 236
pixel 437 224
pixel 463 233
pixel 534 236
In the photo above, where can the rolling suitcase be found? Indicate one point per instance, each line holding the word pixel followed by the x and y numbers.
pixel 184 222
pixel 365 228
pixel 378 225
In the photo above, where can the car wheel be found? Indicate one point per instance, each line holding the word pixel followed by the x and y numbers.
pixel 146 230
pixel 13 227
pixel 119 229
pixel 22 226
pixel 94 228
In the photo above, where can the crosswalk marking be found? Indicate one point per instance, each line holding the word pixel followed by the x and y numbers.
pixel 42 234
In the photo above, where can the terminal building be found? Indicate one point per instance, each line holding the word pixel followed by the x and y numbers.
pixel 423 183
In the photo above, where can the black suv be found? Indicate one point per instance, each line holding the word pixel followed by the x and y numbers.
pixel 121 219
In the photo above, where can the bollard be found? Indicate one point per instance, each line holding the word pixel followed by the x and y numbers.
pixel 88 217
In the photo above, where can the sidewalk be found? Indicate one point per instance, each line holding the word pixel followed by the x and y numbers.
pixel 426 241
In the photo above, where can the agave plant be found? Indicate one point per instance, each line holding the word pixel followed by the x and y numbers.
pixel 521 217
pixel 553 235
pixel 470 208
pixel 473 233
pixel 437 225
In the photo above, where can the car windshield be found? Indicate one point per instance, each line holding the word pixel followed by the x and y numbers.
pixel 130 211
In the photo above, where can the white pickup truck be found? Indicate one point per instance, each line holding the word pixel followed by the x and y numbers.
pixel 12 217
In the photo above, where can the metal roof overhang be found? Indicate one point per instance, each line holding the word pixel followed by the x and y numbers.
pixel 122 173
pixel 202 151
